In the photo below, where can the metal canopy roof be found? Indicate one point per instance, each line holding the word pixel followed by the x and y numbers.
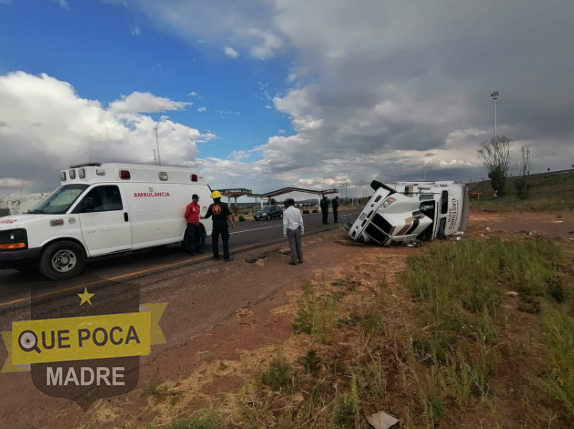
pixel 238 192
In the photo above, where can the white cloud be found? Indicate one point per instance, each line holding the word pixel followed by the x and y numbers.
pixel 379 86
pixel 48 126
pixel 269 45
pixel 6 1
pixel 202 109
pixel 230 52
pixel 268 107
pixel 239 155
pixel 137 32
pixel 281 131
pixel 145 102
pixel 63 3
pixel 192 94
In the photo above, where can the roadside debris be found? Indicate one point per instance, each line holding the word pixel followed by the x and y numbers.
pixel 254 259
pixel 381 420
pixel 400 212
pixel 514 294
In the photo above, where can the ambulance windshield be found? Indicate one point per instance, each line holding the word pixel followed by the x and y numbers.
pixel 59 201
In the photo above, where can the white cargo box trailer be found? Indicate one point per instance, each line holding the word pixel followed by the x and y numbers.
pixel 401 212
pixel 102 209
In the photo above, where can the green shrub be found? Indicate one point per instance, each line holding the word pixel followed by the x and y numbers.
pixel 522 188
pixel 315 211
pixel 305 211
pixel 279 377
pixel 241 218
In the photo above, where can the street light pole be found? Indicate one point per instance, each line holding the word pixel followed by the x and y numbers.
pixel 157 144
pixel 494 96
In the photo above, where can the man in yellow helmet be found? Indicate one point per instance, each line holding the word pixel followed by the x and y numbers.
pixel 221 215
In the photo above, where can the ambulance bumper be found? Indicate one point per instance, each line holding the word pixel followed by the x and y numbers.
pixel 11 258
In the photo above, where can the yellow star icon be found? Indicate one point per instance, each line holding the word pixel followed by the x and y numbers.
pixel 86 296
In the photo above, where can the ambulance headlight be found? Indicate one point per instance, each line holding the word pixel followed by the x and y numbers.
pixel 388 202
pixel 14 239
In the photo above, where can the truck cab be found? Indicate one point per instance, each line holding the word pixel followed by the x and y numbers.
pixel 102 209
pixel 400 212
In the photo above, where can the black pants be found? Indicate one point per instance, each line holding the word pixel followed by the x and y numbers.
pixel 193 237
pixel 223 230
pixel 335 216
pixel 325 214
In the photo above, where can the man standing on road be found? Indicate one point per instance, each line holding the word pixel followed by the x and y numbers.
pixel 221 215
pixel 293 228
pixel 193 229
pixel 335 208
pixel 325 209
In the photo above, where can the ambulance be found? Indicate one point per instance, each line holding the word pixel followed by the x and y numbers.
pixel 401 212
pixel 102 209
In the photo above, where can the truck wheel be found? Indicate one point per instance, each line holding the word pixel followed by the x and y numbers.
pixel 62 260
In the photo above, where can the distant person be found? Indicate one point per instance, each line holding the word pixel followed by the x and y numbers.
pixel 221 216
pixel 324 204
pixel 193 230
pixel 335 208
pixel 293 228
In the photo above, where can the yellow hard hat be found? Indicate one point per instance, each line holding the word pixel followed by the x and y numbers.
pixel 216 194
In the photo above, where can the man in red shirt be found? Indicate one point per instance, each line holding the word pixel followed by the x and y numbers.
pixel 193 230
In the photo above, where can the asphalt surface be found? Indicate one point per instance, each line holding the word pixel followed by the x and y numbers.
pixel 15 286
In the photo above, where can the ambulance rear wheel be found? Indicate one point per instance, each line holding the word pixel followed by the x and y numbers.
pixel 202 237
pixel 61 260
pixel 201 240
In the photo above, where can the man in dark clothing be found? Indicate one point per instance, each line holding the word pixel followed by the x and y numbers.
pixel 325 209
pixel 193 229
pixel 221 215
pixel 335 207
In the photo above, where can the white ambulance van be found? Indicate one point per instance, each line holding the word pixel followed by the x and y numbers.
pixel 400 212
pixel 102 209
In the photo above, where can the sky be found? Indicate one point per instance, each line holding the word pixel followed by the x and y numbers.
pixel 263 94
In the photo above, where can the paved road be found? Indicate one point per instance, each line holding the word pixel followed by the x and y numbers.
pixel 15 286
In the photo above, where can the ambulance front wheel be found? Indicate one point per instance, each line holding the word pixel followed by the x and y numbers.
pixel 61 260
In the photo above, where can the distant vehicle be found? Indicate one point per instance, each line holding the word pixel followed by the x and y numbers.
pixel 268 213
pixel 401 212
pixel 102 209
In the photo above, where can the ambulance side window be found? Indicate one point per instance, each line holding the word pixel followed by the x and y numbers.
pixel 102 199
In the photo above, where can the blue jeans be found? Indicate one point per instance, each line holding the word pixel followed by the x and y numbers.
pixel 193 237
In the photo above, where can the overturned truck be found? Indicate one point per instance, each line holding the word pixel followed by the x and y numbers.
pixel 402 212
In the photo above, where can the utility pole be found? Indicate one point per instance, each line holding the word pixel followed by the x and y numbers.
pixel 154 157
pixel 157 144
pixel 494 96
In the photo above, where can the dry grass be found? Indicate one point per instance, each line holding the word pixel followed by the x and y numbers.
pixel 432 339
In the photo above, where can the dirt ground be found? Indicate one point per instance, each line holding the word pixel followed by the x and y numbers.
pixel 218 311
